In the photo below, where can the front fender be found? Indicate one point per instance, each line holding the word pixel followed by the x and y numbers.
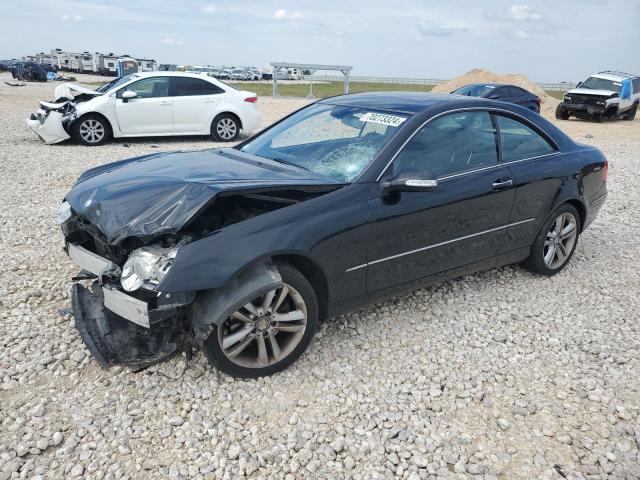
pixel 330 230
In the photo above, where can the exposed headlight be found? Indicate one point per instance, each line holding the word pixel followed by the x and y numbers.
pixel 146 267
pixel 64 212
pixel 567 98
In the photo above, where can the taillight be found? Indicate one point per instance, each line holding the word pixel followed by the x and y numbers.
pixel 251 99
pixel 604 171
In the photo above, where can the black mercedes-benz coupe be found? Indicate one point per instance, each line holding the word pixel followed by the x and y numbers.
pixel 240 252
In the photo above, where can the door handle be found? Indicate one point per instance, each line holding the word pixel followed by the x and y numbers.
pixel 209 100
pixel 165 102
pixel 501 183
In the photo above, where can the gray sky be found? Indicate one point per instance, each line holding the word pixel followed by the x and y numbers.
pixel 546 40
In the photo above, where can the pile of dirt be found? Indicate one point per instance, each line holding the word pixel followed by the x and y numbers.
pixel 486 76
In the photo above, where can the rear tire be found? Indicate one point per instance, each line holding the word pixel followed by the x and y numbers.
pixel 631 113
pixel 91 130
pixel 272 341
pixel 556 242
pixel 562 113
pixel 225 128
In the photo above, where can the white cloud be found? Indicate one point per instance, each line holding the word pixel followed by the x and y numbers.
pixel 71 18
pixel 516 13
pixel 282 14
pixel 522 13
pixel 210 8
pixel 172 41
pixel 521 34
pixel 433 29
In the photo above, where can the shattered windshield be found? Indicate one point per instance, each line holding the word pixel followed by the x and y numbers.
pixel 331 140
pixel 595 83
pixel 115 83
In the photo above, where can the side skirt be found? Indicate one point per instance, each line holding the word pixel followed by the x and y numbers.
pixel 515 256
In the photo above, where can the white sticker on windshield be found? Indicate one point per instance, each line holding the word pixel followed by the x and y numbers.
pixel 382 119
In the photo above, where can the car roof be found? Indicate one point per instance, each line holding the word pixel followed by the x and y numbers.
pixel 489 84
pixel 611 76
pixel 404 102
pixel 161 73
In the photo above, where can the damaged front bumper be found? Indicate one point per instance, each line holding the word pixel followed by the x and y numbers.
pixel 113 340
pixel 587 108
pixel 119 328
pixel 52 121
pixel 48 128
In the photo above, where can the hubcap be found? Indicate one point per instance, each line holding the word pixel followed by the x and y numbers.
pixel 91 131
pixel 560 240
pixel 265 330
pixel 226 128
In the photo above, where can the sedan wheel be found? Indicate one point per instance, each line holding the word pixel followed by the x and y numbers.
pixel 225 128
pixel 556 241
pixel 268 333
pixel 266 330
pixel 91 130
pixel 560 241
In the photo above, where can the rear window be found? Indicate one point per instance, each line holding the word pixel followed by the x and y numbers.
pixel 518 141
pixel 186 87
pixel 475 90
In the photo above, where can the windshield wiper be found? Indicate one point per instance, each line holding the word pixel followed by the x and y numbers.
pixel 287 162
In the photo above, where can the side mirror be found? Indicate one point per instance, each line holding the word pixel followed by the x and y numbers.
pixel 410 181
pixel 128 95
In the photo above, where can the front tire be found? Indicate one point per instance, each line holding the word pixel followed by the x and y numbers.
pixel 269 333
pixel 91 130
pixel 225 128
pixel 556 242
pixel 631 114
pixel 562 113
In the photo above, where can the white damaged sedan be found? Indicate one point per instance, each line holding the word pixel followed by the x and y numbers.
pixel 144 105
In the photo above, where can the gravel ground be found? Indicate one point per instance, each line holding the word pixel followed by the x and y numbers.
pixel 501 374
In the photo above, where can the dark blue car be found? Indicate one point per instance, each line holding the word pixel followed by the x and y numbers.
pixel 504 93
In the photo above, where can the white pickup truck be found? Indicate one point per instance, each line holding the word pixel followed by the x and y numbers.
pixel 606 94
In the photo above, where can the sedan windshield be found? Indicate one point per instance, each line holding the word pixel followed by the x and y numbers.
pixel 115 83
pixel 474 90
pixel 331 140
pixel 595 83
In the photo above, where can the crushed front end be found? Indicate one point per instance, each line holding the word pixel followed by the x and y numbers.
pixel 590 105
pixel 51 121
pixel 123 319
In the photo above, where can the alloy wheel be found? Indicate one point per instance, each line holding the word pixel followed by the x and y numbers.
pixel 226 128
pixel 92 131
pixel 560 240
pixel 265 330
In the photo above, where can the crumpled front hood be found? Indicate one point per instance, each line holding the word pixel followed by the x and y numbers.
pixel 65 90
pixel 158 194
pixel 590 91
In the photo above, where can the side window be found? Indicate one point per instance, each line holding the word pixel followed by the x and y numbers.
pixel 149 88
pixel 636 85
pixel 187 87
pixel 211 89
pixel 449 144
pixel 519 141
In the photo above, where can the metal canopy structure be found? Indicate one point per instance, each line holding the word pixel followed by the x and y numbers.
pixel 311 68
